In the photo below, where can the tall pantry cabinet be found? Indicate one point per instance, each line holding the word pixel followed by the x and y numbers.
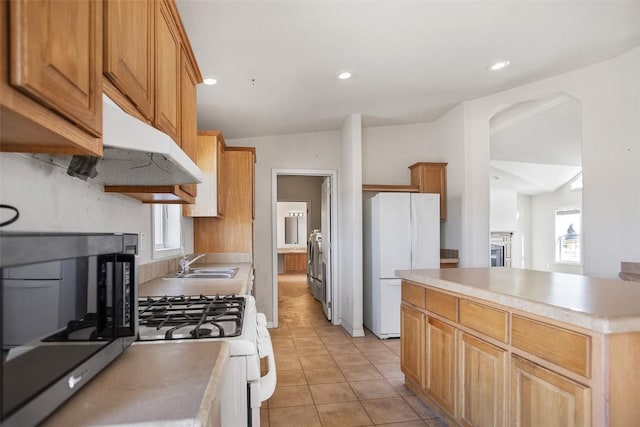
pixel 233 232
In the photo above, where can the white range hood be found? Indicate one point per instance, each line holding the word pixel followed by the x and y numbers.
pixel 136 153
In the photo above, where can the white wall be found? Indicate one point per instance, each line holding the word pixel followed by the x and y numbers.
pixel 350 226
pixel 387 152
pixel 319 150
pixel 609 93
pixel 51 200
pixel 521 240
pixel 450 140
pixel 283 210
pixel 504 209
pixel 543 228
pixel 303 188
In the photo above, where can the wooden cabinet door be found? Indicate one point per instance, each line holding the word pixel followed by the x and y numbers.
pixel 540 397
pixel 220 166
pixel 208 160
pixel 290 263
pixel 440 363
pixel 56 57
pixel 189 120
pixel 129 50
pixel 431 178
pixel 234 232
pixel 483 372
pixel 301 263
pixel 167 82
pixel 412 351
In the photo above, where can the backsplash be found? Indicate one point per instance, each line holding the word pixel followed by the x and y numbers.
pixel 155 269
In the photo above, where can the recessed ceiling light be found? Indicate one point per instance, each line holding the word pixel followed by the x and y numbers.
pixel 210 81
pixel 497 66
pixel 344 75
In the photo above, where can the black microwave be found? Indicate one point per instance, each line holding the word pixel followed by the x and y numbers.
pixel 69 307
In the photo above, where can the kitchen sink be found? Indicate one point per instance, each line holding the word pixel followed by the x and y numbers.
pixel 207 276
pixel 222 270
pixel 206 273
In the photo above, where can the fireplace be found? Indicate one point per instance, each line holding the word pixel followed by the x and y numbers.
pixel 501 249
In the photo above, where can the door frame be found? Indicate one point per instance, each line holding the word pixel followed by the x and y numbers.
pixel 333 175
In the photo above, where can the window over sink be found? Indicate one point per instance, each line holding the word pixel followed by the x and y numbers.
pixel 167 230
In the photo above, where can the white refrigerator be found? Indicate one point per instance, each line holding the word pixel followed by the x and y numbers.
pixel 401 232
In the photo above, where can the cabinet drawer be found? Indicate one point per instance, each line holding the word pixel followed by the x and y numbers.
pixel 413 294
pixel 442 304
pixel 484 319
pixel 565 348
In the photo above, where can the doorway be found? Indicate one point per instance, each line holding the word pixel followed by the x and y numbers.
pixel 322 215
pixel 536 184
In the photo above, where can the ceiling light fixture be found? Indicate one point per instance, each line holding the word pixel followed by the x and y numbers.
pixel 344 75
pixel 500 65
pixel 210 81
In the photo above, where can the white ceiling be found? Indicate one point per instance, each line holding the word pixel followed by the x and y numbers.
pixel 413 60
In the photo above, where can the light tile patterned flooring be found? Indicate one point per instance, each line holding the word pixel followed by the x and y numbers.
pixel 327 378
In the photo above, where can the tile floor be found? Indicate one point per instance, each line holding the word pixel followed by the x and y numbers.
pixel 327 378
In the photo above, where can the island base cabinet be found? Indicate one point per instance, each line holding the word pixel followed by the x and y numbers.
pixel 483 373
pixel 440 363
pixel 412 344
pixel 540 397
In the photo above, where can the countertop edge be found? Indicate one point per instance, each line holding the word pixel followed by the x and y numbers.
pixel 561 314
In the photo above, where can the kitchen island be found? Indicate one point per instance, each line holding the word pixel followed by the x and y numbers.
pixel 501 346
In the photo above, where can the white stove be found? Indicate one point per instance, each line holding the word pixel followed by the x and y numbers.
pixel 230 318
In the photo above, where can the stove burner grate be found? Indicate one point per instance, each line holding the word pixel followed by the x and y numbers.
pixel 192 317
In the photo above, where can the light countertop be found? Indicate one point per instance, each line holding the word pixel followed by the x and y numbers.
pixel 292 251
pixel 600 305
pixel 239 285
pixel 177 384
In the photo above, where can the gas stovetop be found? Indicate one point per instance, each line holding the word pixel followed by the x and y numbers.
pixel 190 317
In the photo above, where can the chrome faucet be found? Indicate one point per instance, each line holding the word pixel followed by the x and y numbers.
pixel 186 262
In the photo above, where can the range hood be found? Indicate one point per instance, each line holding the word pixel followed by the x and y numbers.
pixel 136 153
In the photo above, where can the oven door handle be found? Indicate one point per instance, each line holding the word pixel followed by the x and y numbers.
pixel 265 349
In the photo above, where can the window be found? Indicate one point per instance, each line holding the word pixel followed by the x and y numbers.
pixel 166 230
pixel 568 234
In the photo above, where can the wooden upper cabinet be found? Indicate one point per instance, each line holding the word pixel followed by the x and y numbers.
pixel 209 158
pixel 431 178
pixel 189 122
pixel 56 57
pixel 28 125
pixel 167 52
pixel 221 174
pixel 129 57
